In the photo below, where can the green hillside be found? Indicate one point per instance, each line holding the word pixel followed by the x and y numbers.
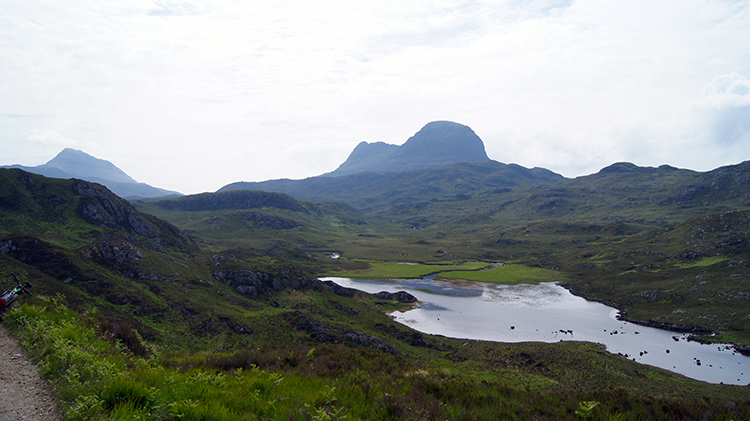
pixel 218 313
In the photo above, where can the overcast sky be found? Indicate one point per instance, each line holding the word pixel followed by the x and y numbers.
pixel 193 95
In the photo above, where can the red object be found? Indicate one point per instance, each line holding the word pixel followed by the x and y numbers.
pixel 2 306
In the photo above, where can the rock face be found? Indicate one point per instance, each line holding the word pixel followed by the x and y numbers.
pixel 438 143
pixel 101 207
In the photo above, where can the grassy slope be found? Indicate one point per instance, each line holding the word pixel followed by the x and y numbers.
pixel 473 380
pixel 176 303
pixel 637 260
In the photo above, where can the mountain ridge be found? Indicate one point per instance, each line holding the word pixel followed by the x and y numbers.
pixel 73 163
pixel 448 179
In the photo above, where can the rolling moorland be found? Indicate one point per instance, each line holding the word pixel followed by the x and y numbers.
pixel 209 306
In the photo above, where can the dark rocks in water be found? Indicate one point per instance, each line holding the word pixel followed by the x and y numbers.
pixel 693 338
pixel 400 296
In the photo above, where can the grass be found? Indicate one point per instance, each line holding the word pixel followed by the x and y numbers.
pixel 381 270
pixel 507 274
pixel 98 379
pixel 700 263
pixel 631 256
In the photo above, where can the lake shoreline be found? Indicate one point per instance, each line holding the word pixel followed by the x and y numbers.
pixel 549 312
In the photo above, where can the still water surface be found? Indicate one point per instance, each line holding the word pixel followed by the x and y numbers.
pixel 548 312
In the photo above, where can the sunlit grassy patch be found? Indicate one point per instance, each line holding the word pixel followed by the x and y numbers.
pixel 706 261
pixel 407 270
pixel 507 274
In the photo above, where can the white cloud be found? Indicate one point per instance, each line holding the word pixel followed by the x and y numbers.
pixel 254 90
pixel 726 109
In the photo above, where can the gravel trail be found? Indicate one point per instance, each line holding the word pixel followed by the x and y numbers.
pixel 24 395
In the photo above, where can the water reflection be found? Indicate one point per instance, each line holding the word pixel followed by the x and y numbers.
pixel 549 313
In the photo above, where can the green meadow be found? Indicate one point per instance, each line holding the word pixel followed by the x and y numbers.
pixel 506 274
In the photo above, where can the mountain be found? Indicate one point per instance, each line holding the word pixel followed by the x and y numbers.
pixel 72 163
pixel 368 190
pixel 438 143
pixel 443 159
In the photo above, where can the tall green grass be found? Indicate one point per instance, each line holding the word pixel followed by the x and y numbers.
pixel 96 378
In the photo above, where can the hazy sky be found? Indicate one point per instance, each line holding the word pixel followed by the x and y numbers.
pixel 193 95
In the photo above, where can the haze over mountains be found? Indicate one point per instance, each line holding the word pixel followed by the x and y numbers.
pixel 72 163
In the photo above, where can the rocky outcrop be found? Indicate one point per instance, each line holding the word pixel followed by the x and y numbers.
pixel 325 333
pixel 254 283
pixel 339 290
pixel 107 210
pixel 236 327
pixel 400 296
pixel 118 255
pixel 102 207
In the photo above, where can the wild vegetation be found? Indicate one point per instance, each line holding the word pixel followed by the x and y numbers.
pixel 97 377
pixel 226 313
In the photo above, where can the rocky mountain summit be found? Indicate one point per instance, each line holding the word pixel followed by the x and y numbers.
pixel 437 143
pixel 72 163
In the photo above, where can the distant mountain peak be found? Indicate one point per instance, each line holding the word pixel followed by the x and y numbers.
pixel 72 163
pixel 79 164
pixel 437 143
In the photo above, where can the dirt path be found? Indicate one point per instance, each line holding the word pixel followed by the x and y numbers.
pixel 24 395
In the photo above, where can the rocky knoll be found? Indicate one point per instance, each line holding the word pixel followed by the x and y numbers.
pixel 400 296
pixel 40 201
pixel 437 143
pixel 253 283
pixel 101 207
pixel 232 200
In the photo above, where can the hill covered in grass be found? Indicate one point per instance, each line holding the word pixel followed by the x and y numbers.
pixel 227 295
